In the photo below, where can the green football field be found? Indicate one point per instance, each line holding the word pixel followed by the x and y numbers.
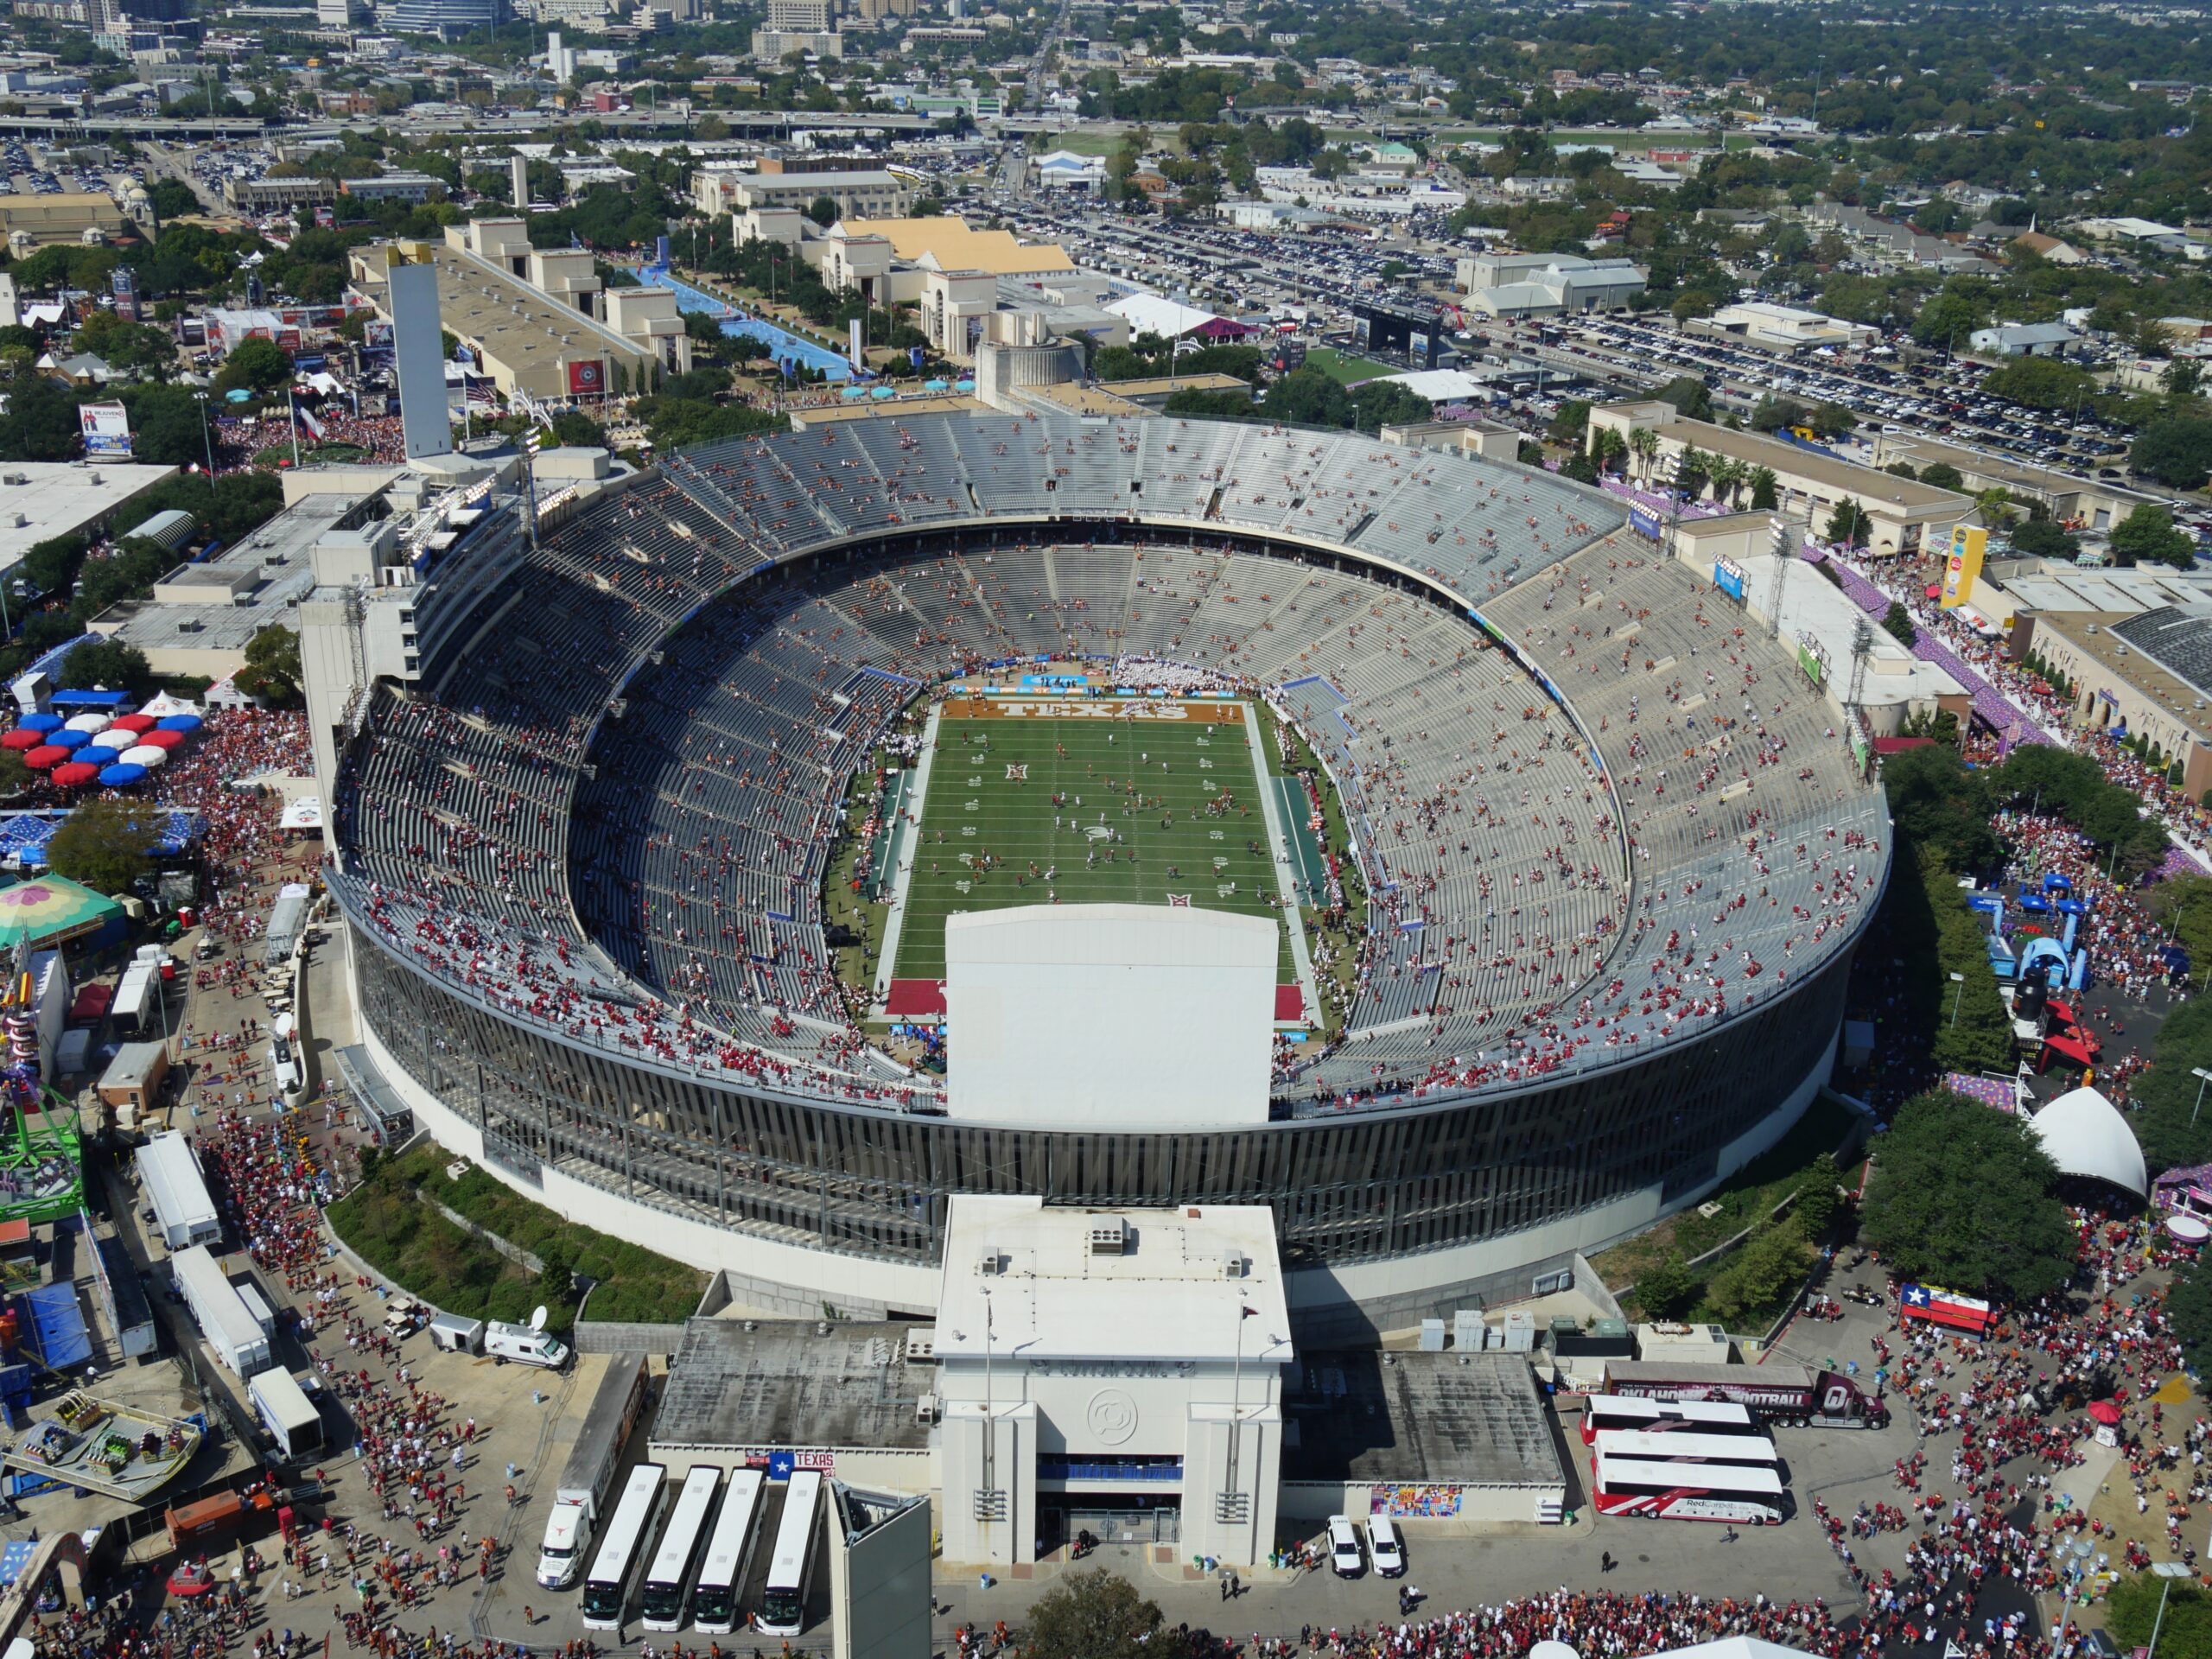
pixel 991 836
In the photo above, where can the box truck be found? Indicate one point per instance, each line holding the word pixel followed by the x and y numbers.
pixel 234 1333
pixel 286 1412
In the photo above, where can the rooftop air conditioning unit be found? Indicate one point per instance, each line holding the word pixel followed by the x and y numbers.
pixel 15 478
pixel 1110 1236
pixel 925 1409
pixel 2093 628
pixel 1234 1265
pixel 989 1262
pixel 23 520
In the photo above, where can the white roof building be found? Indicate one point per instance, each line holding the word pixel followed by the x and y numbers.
pixel 1155 314
pixel 1135 1344
pixel 2085 1135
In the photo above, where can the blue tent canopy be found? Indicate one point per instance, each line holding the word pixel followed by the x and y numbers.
pixel 179 723
pixel 2034 903
pixel 58 1326
pixel 123 771
pixel 2054 882
pixel 42 722
pixel 73 699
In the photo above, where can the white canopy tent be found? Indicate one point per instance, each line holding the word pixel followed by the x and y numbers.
pixel 2085 1135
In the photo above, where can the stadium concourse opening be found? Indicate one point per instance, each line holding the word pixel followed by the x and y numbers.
pixel 1089 795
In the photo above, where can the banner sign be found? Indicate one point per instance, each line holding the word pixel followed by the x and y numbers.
pixel 106 428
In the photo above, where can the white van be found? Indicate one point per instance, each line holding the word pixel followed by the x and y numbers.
pixel 1385 1548
pixel 1344 1549
pixel 526 1345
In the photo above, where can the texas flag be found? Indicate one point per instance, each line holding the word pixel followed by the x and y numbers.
pixel 1942 1306
pixel 307 419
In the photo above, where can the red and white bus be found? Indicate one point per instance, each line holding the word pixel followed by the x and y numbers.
pixel 1737 1450
pixel 1659 1488
pixel 1606 1411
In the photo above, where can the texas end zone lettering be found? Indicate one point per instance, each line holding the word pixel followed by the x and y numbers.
pixel 1093 710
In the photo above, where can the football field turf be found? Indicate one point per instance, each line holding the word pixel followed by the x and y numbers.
pixel 1156 806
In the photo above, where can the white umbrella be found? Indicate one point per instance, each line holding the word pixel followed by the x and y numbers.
pixel 146 754
pixel 89 723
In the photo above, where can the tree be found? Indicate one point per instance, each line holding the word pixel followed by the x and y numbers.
pixel 109 664
pixel 1948 318
pixel 557 1279
pixel 2177 452
pixel 2040 382
pixel 1831 420
pixel 256 365
pixel 1773 412
pixel 165 427
pixel 1644 444
pixel 40 422
pixel 2148 536
pixel 1608 448
pixel 1572 421
pixel 1667 1290
pixel 1101 1615
pixel 1848 524
pixel 2042 538
pixel 576 429
pixel 272 667
pixel 172 199
pixel 1763 481
pixel 103 844
pixel 2132 1607
pixel 1770 1264
pixel 1962 1196
pixel 1690 396
pixel 1943 476
pixel 822 210
pixel 1897 622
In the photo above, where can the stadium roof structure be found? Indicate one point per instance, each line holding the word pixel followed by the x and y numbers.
pixel 2085 1136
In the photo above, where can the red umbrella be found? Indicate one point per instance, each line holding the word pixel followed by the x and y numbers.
pixel 74 773
pixel 135 723
pixel 2105 1412
pixel 20 739
pixel 160 739
pixel 44 756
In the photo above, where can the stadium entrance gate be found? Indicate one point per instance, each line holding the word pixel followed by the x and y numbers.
pixel 1110 1518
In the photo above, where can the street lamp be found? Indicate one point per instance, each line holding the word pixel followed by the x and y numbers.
pixel 2169 1570
pixel 2080 1550
pixel 1957 996
pixel 209 443
pixel 2202 1077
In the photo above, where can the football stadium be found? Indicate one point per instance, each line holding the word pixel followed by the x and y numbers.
pixel 1390 837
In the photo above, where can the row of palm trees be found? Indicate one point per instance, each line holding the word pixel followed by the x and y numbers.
pixel 1695 472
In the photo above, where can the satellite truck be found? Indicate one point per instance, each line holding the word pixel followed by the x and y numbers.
pixel 1776 1393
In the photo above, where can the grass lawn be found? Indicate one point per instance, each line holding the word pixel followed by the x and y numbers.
pixel 1148 781
pixel 1760 1186
pixel 1079 140
pixel 1343 367
pixel 383 1222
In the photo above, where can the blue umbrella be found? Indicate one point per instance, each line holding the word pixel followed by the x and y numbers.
pixel 239 395
pixel 42 722
pixel 67 740
pixel 100 754
pixel 179 723
pixel 123 771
